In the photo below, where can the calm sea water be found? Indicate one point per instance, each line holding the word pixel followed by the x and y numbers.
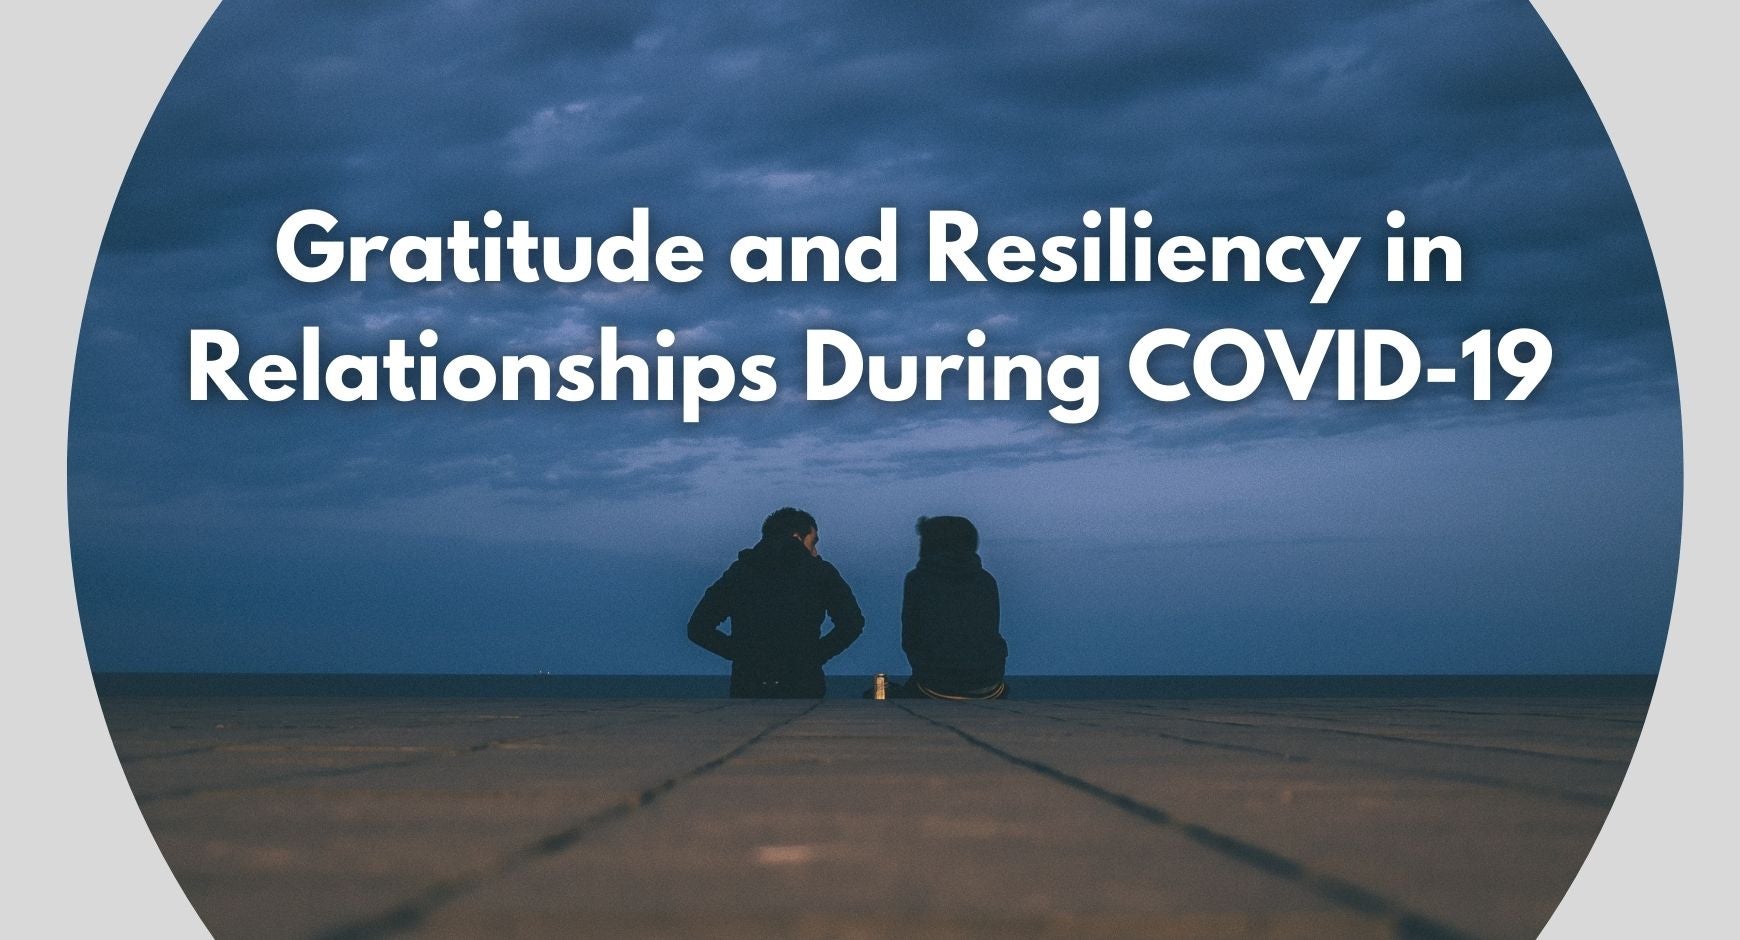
pixel 1028 687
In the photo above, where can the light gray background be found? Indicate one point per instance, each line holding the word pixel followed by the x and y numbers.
pixel 80 81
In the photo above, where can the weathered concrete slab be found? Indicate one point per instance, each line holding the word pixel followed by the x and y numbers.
pixel 711 818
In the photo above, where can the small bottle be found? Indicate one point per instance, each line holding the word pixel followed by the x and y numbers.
pixel 879 691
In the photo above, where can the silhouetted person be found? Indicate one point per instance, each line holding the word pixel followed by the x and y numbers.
pixel 775 595
pixel 949 617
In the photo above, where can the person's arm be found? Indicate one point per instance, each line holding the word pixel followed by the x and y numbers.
pixel 843 611
pixel 997 617
pixel 704 623
pixel 911 630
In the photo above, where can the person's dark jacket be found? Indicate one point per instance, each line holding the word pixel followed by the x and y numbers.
pixel 776 595
pixel 949 623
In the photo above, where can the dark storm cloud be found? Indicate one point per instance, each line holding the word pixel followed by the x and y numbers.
pixel 771 117
pixel 790 118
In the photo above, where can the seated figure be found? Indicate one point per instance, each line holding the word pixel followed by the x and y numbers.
pixel 949 617
pixel 775 596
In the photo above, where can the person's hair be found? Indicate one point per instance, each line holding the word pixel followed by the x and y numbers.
pixel 946 534
pixel 787 521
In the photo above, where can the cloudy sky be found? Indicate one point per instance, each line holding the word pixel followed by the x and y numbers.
pixel 1433 534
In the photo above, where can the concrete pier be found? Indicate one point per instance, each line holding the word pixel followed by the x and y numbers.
pixel 1333 818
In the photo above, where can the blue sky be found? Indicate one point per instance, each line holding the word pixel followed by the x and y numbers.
pixel 1432 534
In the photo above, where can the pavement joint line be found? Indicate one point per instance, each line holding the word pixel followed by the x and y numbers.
pixel 1183 739
pixel 1498 783
pixel 1594 737
pixel 410 914
pixel 1634 722
pixel 426 757
pixel 1389 708
pixel 1388 718
pixel 1407 924
pixel 303 733
pixel 1400 739
pixel 1561 715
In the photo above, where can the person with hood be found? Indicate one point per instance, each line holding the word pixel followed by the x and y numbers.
pixel 949 617
pixel 775 596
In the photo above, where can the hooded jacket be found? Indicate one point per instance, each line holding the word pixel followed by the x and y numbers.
pixel 775 596
pixel 949 623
